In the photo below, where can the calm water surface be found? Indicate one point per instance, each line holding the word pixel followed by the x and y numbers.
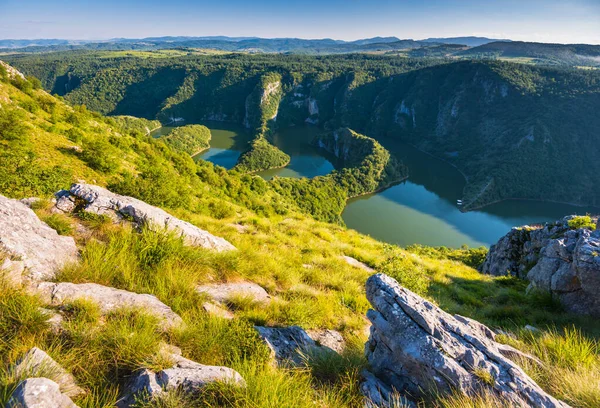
pixel 423 210
pixel 420 210
pixel 306 160
pixel 228 141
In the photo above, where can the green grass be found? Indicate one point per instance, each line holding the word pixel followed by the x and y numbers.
pixel 328 294
pixel 60 223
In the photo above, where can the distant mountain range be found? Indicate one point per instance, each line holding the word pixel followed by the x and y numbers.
pixel 571 54
pixel 468 41
pixel 241 41
pixel 455 47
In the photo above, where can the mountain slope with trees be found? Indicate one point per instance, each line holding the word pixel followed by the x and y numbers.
pixel 514 131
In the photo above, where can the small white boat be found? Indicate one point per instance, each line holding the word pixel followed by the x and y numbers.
pixel 459 202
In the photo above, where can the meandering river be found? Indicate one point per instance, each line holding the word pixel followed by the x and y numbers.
pixel 420 210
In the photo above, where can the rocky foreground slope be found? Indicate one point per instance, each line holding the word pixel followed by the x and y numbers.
pixel 414 347
pixel 558 258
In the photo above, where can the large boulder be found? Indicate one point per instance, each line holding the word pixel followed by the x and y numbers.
pixel 39 393
pixel 517 251
pixel 569 268
pixel 185 375
pixel 98 200
pixel 415 347
pixel 556 259
pixel 36 363
pixel 108 299
pixel 287 344
pixel 26 239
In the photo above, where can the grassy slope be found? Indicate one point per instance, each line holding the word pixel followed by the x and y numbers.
pixel 294 257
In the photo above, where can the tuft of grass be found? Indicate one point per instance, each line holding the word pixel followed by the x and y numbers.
pixel 60 223
pixel 571 369
pixel 215 341
pixel 484 375
pixel 22 321
pixel 481 400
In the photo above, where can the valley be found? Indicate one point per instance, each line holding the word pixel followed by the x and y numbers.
pixel 503 125
pixel 422 210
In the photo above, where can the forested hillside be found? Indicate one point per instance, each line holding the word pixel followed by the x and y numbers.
pixel 540 53
pixel 515 131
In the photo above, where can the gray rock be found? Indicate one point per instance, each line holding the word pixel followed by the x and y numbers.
pixel 54 319
pixel 554 259
pixel 328 338
pixel 29 202
pixel 101 201
pixel 379 395
pixel 531 328
pixel 12 271
pixel 357 264
pixel 39 393
pixel 290 345
pixel 108 299
pixel 414 346
pixel 185 374
pixel 12 72
pixel 65 202
pixel 222 292
pixel 217 310
pixel 24 237
pixel 36 363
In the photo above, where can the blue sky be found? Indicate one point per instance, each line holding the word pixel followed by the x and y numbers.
pixel 565 21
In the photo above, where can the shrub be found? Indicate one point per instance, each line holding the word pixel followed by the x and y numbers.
pixel 22 84
pixel 35 83
pixel 582 221
pixel 406 271
pixel 22 176
pixel 12 124
pixel 29 105
pixel 100 155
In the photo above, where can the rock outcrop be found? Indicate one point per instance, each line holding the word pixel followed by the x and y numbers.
pixel 101 201
pixel 289 345
pixel 12 72
pixel 27 240
pixel 108 299
pixel 556 259
pixel 328 338
pixel 39 393
pixel 185 374
pixel 36 363
pixel 415 347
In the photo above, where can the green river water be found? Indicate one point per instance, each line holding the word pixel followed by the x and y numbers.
pixel 421 210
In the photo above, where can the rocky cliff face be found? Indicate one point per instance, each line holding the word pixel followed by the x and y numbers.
pixel 554 258
pixel 12 72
